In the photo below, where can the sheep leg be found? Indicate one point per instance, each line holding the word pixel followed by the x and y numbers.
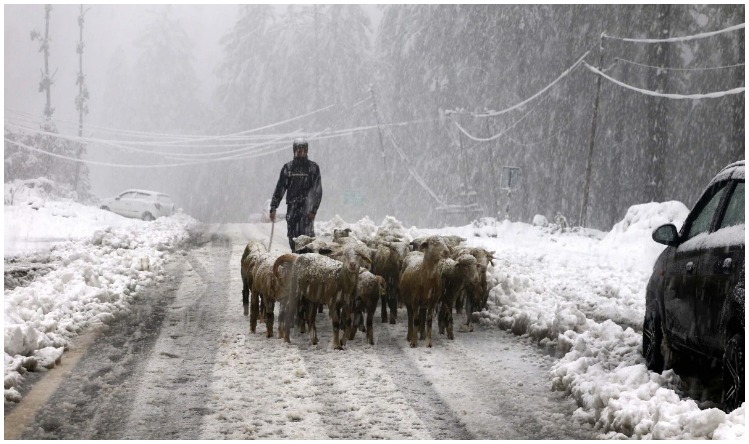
pixel 335 314
pixel 384 310
pixel 245 296
pixel 253 312
pixel 469 312
pixel 292 307
pixel 411 335
pixel 312 323
pixel 319 308
pixel 393 302
pixel 429 315
pixel 441 318
pixel 449 321
pixel 370 321
pixel 301 315
pixel 281 318
pixel 261 311
pixel 269 319
pixel 353 324
pixel 422 323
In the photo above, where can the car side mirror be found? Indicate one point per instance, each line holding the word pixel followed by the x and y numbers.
pixel 666 235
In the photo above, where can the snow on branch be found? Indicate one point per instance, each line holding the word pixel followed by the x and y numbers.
pixel 712 95
pixel 516 106
pixel 677 39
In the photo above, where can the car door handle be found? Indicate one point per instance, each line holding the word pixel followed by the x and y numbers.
pixel 727 265
pixel 690 267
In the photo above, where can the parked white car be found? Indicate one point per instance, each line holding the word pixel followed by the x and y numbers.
pixel 140 204
pixel 280 212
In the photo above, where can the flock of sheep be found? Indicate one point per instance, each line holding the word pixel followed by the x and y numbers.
pixel 435 274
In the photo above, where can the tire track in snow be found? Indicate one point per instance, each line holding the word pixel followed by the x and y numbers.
pixel 170 402
pixel 260 388
pixel 503 394
pixel 99 393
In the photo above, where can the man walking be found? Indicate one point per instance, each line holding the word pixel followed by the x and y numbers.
pixel 300 179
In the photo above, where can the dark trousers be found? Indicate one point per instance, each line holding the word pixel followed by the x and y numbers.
pixel 298 223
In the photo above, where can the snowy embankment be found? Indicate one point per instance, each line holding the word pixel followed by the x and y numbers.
pixel 93 279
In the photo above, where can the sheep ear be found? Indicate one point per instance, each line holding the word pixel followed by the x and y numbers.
pixel 325 250
pixel 366 259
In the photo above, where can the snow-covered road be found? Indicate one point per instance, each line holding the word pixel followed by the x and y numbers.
pixel 186 366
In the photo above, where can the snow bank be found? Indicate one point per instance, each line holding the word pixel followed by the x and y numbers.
pixel 606 374
pixel 95 277
pixel 633 234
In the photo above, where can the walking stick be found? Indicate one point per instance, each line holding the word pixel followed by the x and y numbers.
pixel 273 225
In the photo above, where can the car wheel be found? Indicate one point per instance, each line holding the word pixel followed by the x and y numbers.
pixel 148 216
pixel 733 373
pixel 105 208
pixel 652 337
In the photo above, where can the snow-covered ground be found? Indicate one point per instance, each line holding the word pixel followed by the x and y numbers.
pixel 581 291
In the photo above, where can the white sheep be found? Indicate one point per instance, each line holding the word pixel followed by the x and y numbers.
pixel 319 279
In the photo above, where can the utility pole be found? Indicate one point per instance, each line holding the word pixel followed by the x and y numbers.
pixel 45 85
pixel 81 101
pixel 379 132
pixel 463 161
pixel 591 145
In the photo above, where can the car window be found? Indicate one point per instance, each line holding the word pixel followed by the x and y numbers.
pixel 701 223
pixel 144 196
pixel 734 214
pixel 127 195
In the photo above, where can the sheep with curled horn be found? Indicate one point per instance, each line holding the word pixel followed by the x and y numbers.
pixel 249 263
pixel 319 279
pixel 421 284
pixel 387 262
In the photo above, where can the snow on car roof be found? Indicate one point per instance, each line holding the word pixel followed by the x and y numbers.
pixel 732 171
pixel 145 191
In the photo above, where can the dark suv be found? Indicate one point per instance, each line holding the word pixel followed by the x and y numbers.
pixel 695 296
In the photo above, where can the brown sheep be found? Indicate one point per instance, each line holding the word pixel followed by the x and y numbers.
pixel 319 279
pixel 460 280
pixel 369 290
pixel 421 284
pixel 483 259
pixel 387 262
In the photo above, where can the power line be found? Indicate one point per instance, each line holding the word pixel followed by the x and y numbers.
pixel 676 39
pixel 711 95
pixel 678 69
pixel 496 136
pixel 414 174
pixel 518 105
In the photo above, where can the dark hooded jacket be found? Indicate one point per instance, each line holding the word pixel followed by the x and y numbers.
pixel 300 181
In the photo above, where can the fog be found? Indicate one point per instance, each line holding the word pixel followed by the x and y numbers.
pixel 202 102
